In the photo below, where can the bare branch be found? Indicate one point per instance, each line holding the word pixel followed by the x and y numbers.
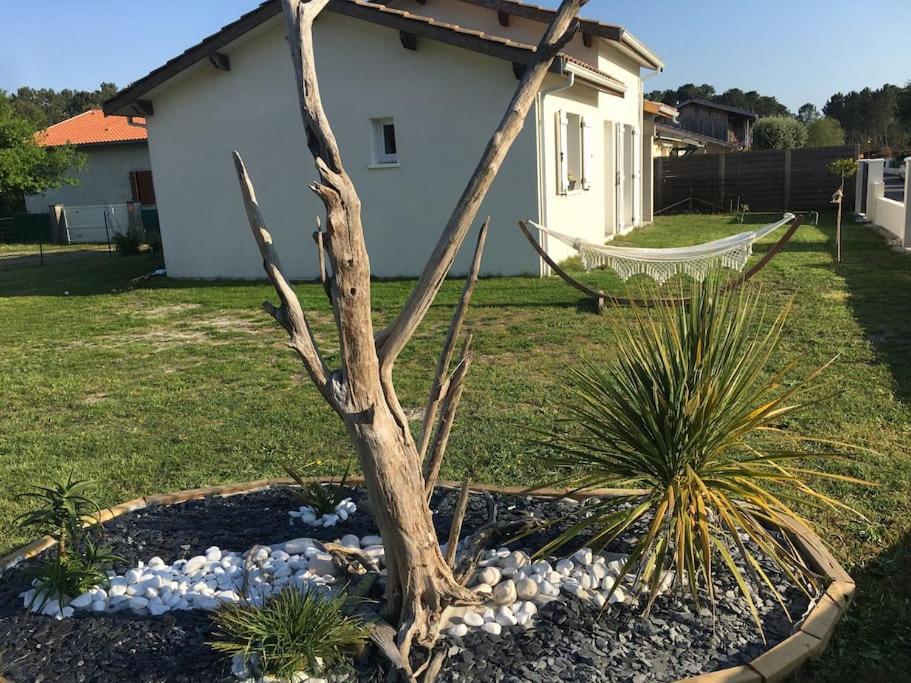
pixel 396 336
pixel 439 387
pixel 289 315
pixel 458 517
pixel 441 439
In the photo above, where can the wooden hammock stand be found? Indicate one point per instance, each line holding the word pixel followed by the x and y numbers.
pixel 601 297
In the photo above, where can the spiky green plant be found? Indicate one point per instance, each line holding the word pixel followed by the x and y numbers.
pixel 62 512
pixel 321 497
pixel 64 577
pixel 688 412
pixel 294 631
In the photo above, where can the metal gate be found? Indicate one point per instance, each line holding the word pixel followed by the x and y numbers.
pixel 99 222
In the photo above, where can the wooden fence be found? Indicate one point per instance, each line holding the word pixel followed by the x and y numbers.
pixel 794 179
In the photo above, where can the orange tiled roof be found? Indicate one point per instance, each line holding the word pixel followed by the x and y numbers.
pixel 93 128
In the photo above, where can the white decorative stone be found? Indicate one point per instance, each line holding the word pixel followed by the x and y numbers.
pixel 489 575
pixel 321 564
pixel 526 589
pixel 541 567
pixel 516 560
pixel 472 619
pixel 193 565
pixel 458 630
pixel 350 541
pixel 138 603
pixel 504 617
pixel 504 593
pixel 82 601
pixel 565 567
pixel 492 627
pixel 483 589
pixel 213 554
pixel 367 541
pixel 583 556
pixel 298 546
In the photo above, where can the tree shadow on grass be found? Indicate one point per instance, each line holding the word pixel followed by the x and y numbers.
pixel 878 280
pixel 872 643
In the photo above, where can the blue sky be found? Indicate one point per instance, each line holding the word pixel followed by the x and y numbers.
pixel 797 50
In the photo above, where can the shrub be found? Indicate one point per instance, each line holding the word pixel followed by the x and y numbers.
pixel 778 132
pixel 678 413
pixel 825 132
pixel 78 564
pixel 129 242
pixel 292 632
pixel 321 497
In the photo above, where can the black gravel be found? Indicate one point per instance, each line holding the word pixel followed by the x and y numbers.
pixel 568 643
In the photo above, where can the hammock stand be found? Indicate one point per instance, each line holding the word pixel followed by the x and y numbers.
pixel 600 297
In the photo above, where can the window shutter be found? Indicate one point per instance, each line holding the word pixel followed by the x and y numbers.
pixel 588 155
pixel 562 152
pixel 618 139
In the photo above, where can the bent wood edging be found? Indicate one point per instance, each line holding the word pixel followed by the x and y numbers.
pixel 808 640
pixel 600 296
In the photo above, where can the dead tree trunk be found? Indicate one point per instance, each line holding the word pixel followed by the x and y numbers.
pixel 420 583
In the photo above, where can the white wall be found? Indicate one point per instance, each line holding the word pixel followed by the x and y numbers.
pixel 892 215
pixel 105 178
pixel 446 101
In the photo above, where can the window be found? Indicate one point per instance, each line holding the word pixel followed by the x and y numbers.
pixel 385 151
pixel 142 188
pixel 575 153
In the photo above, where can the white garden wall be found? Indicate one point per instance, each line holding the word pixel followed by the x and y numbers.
pixel 893 216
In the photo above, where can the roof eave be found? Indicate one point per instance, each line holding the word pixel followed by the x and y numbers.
pixel 599 81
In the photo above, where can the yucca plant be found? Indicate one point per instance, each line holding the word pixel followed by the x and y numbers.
pixel 321 497
pixel 62 512
pixel 294 631
pixel 689 413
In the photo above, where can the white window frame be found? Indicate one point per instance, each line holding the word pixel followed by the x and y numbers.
pixel 380 157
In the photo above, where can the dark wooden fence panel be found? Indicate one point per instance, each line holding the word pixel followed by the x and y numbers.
pixel 796 180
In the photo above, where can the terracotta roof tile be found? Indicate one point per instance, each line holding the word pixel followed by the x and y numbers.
pixel 93 128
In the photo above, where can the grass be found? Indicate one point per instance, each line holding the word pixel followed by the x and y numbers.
pixel 158 385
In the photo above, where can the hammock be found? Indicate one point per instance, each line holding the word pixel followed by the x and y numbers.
pixel 662 264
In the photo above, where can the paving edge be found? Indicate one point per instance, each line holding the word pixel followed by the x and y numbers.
pixel 808 641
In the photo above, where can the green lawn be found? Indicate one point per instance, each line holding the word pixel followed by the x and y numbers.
pixel 150 385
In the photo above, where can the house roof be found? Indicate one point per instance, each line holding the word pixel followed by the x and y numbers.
pixel 660 109
pixel 93 128
pixel 715 105
pixel 130 100
pixel 601 29
pixel 665 132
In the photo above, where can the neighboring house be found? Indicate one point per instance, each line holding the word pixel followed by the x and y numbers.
pixel 672 141
pixel 117 167
pixel 718 122
pixel 413 92
pixel 653 114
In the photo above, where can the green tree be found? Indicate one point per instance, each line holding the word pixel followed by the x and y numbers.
pixel 44 106
pixel 25 166
pixel 825 132
pixel 779 132
pixel 808 113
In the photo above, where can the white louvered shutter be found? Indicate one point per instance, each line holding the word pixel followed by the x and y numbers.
pixel 588 154
pixel 562 152
pixel 618 146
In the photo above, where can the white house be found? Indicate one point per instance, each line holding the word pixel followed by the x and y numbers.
pixel 117 167
pixel 413 90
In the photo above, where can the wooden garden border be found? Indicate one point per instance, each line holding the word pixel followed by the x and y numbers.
pixel 808 640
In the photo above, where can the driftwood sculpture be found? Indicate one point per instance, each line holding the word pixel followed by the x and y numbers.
pixel 420 582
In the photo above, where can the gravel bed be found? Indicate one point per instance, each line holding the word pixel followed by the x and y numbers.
pixel 568 642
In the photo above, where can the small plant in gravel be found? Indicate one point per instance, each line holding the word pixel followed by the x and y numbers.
pixel 294 631
pixel 129 242
pixel 678 414
pixel 78 563
pixel 323 498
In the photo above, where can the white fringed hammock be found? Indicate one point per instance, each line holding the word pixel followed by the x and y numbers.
pixel 662 264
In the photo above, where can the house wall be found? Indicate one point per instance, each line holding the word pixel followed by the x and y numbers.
pixel 105 178
pixel 445 100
